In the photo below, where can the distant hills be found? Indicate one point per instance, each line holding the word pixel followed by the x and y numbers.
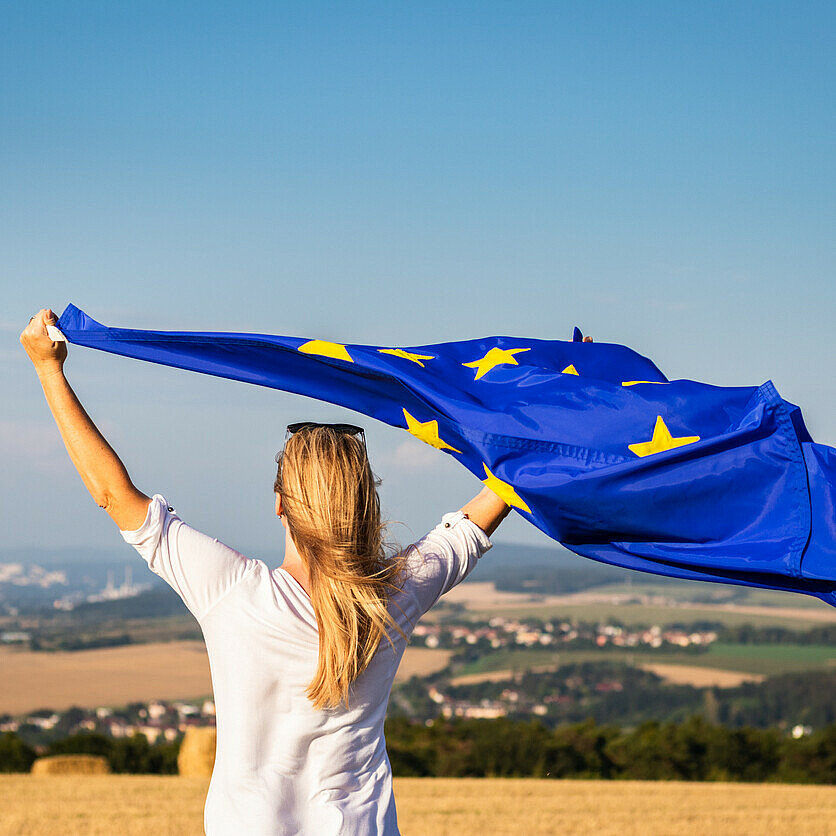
pixel 160 602
pixel 556 571
pixel 512 567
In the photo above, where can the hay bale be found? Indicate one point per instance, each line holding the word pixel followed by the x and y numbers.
pixel 197 752
pixel 71 765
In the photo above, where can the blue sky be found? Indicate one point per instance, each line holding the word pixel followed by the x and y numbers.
pixel 660 174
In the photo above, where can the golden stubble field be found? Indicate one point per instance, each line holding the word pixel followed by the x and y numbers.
pixel 482 597
pixel 142 805
pixel 133 673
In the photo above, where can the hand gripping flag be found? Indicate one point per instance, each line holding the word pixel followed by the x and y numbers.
pixel 587 441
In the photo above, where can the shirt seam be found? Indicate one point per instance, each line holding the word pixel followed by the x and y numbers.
pixel 214 604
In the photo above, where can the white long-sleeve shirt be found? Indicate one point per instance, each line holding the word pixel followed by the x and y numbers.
pixel 281 767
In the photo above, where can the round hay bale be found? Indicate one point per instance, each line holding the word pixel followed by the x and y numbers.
pixel 71 765
pixel 197 752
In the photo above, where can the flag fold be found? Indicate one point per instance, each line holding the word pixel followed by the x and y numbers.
pixel 587 441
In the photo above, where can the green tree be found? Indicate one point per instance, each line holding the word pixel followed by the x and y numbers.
pixel 130 754
pixel 811 759
pixel 743 754
pixel 15 755
pixel 85 743
pixel 582 750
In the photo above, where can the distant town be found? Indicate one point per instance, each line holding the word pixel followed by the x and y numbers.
pixel 506 632
pixel 513 634
pixel 554 639
pixel 157 720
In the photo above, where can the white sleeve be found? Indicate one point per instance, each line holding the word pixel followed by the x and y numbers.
pixel 200 569
pixel 444 558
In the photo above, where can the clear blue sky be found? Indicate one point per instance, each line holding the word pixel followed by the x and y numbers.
pixel 661 174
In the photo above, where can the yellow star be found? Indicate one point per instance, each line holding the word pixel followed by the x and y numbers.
pixel 427 431
pixel 570 369
pixel 325 349
pixel 495 357
pixel 636 382
pixel 407 355
pixel 662 440
pixel 504 491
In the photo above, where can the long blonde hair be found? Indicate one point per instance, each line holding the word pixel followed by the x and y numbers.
pixel 329 496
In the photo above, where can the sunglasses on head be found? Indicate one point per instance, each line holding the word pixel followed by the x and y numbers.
pixel 348 429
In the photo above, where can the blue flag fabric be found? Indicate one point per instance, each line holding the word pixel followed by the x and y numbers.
pixel 588 441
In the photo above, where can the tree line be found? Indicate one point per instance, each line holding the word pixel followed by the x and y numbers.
pixel 694 750
pixel 126 754
pixel 690 751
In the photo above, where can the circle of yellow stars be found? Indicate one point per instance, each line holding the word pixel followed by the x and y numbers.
pixel 427 431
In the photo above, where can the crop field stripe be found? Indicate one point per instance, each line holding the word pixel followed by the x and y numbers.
pixel 131 673
pixel 634 614
pixel 143 805
pixel 740 658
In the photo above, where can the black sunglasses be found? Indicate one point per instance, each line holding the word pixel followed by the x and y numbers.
pixel 348 429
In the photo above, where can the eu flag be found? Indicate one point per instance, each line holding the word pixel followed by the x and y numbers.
pixel 588 441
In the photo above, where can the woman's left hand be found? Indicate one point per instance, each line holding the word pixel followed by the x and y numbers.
pixel 43 352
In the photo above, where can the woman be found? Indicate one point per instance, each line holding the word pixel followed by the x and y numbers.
pixel 303 657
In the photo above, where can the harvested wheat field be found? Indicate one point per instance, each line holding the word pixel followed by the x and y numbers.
pixel 106 676
pixel 702 677
pixel 118 675
pixel 172 806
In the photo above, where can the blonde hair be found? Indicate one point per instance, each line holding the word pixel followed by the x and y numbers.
pixel 329 497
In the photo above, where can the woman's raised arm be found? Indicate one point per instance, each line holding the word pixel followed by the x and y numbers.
pixel 100 468
pixel 487 510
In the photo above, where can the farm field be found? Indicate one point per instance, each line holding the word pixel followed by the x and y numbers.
pixel 142 630
pixel 698 593
pixel 484 596
pixel 769 658
pixel 798 618
pixel 740 658
pixel 144 805
pixel 132 673
pixel 702 677
pixel 108 676
pixel 676 674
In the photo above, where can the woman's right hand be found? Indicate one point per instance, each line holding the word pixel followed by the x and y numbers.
pixel 46 355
